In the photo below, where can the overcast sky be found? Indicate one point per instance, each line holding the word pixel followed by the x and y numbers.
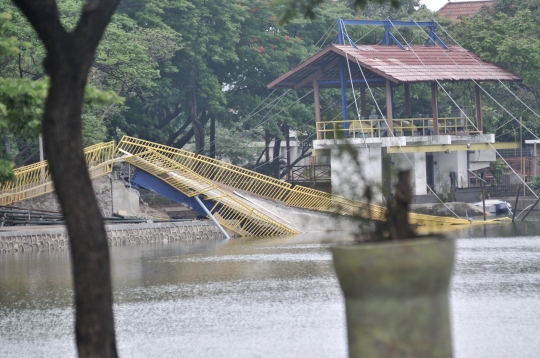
pixel 434 5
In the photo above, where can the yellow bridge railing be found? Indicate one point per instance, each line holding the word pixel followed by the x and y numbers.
pixel 35 179
pixel 199 175
pixel 230 212
pixel 259 184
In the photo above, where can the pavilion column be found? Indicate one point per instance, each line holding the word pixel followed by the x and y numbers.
pixel 478 100
pixel 317 107
pixel 343 92
pixel 408 110
pixel 286 132
pixel 435 108
pixel 389 108
pixel 363 104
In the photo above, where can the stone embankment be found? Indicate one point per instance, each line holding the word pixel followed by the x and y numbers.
pixel 36 238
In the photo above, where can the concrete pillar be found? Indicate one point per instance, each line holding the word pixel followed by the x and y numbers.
pixel 288 149
pixel 450 162
pixel 416 163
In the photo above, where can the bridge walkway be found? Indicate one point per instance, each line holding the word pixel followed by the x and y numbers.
pixel 230 212
pixel 198 175
pixel 277 190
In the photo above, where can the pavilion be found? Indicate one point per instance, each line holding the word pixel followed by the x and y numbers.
pixel 440 150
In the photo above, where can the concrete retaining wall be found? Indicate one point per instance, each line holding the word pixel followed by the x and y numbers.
pixel 37 238
pixel 111 194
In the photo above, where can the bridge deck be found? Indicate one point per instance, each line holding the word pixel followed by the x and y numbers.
pixel 199 175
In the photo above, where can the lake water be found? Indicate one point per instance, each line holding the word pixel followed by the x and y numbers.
pixel 271 297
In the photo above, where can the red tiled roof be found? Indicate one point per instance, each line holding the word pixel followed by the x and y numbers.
pixel 416 64
pixel 455 10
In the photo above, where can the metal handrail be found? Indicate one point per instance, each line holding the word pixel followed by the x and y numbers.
pixel 35 179
pixel 197 175
pixel 311 173
pixel 377 128
pixel 229 211
pixel 256 183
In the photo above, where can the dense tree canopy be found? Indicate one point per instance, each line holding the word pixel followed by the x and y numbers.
pixel 508 34
pixel 193 73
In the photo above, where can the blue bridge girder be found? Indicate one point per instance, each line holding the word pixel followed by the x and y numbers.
pixel 141 178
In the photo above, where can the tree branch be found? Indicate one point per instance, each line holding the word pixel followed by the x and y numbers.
pixel 44 17
pixel 306 152
pixel 111 106
pixel 173 136
pixel 170 116
pixel 186 138
pixel 22 152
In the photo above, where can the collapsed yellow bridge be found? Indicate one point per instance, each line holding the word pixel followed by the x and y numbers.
pixel 198 175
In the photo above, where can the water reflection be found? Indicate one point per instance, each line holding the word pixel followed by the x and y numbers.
pixel 272 297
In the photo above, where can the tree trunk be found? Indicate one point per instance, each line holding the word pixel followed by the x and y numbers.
pixel 68 60
pixel 173 136
pixel 286 133
pixel 189 134
pixel 213 137
pixel 62 135
pixel 198 129
pixel 267 145
pixel 306 152
pixel 276 158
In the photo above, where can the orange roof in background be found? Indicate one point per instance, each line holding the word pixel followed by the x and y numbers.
pixel 416 64
pixel 455 10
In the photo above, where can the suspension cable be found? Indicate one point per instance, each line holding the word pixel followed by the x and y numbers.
pixel 397 141
pixel 359 116
pixel 502 83
pixel 453 101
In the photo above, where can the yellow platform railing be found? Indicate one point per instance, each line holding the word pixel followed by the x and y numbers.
pixel 35 179
pixel 377 127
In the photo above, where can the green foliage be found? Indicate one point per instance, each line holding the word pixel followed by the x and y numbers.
pixel 96 97
pixel 23 90
pixel 508 35
pixel 235 147
pixel 8 45
pixel 94 131
pixel 289 9
pixel 6 171
pixel 23 100
pixel 510 41
pixel 535 183
pixel 496 169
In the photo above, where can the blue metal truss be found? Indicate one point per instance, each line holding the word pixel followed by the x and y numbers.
pixel 389 38
pixel 141 178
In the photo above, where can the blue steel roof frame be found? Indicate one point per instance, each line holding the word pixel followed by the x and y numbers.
pixel 388 36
